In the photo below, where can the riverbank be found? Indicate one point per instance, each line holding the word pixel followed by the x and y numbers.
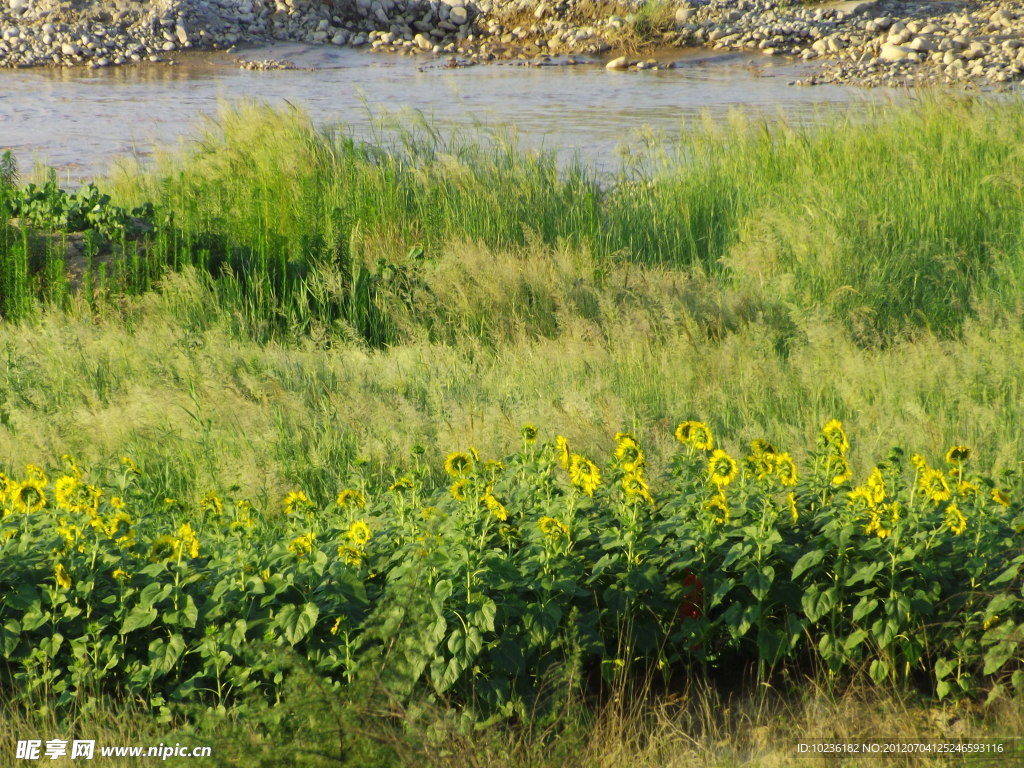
pixel 864 42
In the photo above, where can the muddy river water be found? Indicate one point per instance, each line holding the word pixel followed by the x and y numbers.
pixel 80 120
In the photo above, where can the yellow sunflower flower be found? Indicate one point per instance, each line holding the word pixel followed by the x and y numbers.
pixel 562 451
pixel 529 433
pixel 958 454
pixel 301 546
pixel 785 469
pixel 297 501
pixel 584 474
pixel 61 576
pixel 189 540
pixel 722 469
pixel 458 489
pixel 27 497
pixel 552 528
pixel 401 484
pixel 932 483
pixel 457 464
pixel 876 486
pixel 353 499
pixel 835 436
pixel 164 548
pixel 793 513
pixel 695 434
pixel 719 509
pixel 635 487
pixel 495 507
pixel 1000 497
pixel 120 574
pixel 955 520
pixel 359 533
pixel 628 452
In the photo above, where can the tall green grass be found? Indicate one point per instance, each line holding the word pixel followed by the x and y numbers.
pixel 894 223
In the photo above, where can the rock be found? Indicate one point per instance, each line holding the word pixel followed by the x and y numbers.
pixel 422 42
pixel 891 52
pixel 458 15
pixel 621 63
pixel 69 49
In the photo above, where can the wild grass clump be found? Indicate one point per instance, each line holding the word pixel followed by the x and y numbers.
pixel 900 222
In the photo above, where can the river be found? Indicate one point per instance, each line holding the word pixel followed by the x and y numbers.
pixel 81 120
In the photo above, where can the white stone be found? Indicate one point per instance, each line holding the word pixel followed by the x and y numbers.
pixel 618 64
pixel 458 15
pixel 892 52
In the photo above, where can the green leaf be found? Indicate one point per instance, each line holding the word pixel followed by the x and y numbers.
pixel 865 574
pixel 140 616
pixel 864 608
pixel 759 582
pixel 879 671
pixel 996 657
pixel 854 640
pixel 808 560
pixel 164 654
pixel 943 688
pixel 816 604
pixel 943 667
pixel 296 622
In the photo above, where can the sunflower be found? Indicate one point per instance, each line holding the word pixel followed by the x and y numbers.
pixel 932 483
pixel 1000 497
pixel 401 484
pixel 65 493
pixel 760 446
pixel 552 528
pixel 529 433
pixel 120 574
pixel 695 434
pixel 62 577
pixel 349 498
pixel 27 497
pixel 119 526
pixel 164 548
pixel 584 474
pixel 839 469
pixel 876 486
pixel 627 452
pixel 458 489
pixel 835 436
pixel 635 487
pixel 958 454
pixel 955 520
pixel 862 499
pixel 886 518
pixel 350 555
pixel 296 501
pixel 130 465
pixel 359 533
pixel 302 545
pixel 722 469
pixel 719 509
pixel 785 469
pixel 494 506
pixel 793 513
pixel 116 502
pixel 212 503
pixel 188 538
pixel 457 464
pixel 562 451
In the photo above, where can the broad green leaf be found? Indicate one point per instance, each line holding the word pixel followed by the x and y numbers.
pixel 864 608
pixel 140 616
pixel 806 561
pixel 879 671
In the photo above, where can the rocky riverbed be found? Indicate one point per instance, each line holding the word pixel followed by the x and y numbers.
pixel 867 42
